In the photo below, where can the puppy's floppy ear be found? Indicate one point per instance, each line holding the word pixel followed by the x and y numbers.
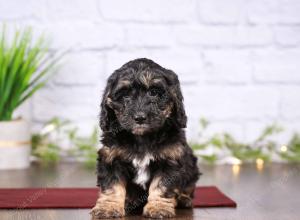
pixel 107 115
pixel 178 112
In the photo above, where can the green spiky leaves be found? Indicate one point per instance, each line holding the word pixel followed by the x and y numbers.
pixel 25 65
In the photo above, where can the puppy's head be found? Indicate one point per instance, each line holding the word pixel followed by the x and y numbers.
pixel 140 98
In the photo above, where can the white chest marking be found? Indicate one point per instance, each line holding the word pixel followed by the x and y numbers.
pixel 142 167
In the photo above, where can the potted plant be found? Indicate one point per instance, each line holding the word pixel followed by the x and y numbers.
pixel 25 66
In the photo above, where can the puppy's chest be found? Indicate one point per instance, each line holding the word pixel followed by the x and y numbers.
pixel 141 166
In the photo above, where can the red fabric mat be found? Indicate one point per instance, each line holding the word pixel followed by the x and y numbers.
pixel 41 198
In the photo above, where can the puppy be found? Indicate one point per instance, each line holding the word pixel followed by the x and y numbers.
pixel 145 162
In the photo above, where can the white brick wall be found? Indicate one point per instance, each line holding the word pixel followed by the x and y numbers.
pixel 238 60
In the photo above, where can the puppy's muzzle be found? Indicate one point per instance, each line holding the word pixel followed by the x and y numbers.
pixel 140 117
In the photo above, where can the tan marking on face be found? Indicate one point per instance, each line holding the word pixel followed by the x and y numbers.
pixel 156 81
pixel 146 78
pixel 173 152
pixel 140 129
pixel 168 110
pixel 123 83
pixel 111 202
pixel 173 92
pixel 158 205
pixel 108 101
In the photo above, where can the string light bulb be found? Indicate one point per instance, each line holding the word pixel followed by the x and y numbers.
pixel 283 148
pixel 259 164
pixel 236 166
pixel 236 169
pixel 48 129
pixel 236 161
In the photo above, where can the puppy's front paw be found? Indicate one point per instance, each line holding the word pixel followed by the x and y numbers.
pixel 107 210
pixel 184 203
pixel 158 210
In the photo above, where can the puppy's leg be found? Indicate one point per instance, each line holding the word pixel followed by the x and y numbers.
pixel 184 199
pixel 111 202
pixel 159 206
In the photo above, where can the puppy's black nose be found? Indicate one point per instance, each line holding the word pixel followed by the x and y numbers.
pixel 140 117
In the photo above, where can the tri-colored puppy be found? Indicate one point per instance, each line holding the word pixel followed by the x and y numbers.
pixel 145 161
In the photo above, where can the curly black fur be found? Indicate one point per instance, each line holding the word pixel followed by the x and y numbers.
pixel 142 114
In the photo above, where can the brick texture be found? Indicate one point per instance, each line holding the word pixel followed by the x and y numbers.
pixel 238 60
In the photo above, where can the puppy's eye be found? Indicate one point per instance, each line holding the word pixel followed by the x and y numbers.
pixel 155 92
pixel 126 96
pixel 123 93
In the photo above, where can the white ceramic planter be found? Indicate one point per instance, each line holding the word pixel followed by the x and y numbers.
pixel 14 144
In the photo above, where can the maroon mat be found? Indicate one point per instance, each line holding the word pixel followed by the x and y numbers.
pixel 41 198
